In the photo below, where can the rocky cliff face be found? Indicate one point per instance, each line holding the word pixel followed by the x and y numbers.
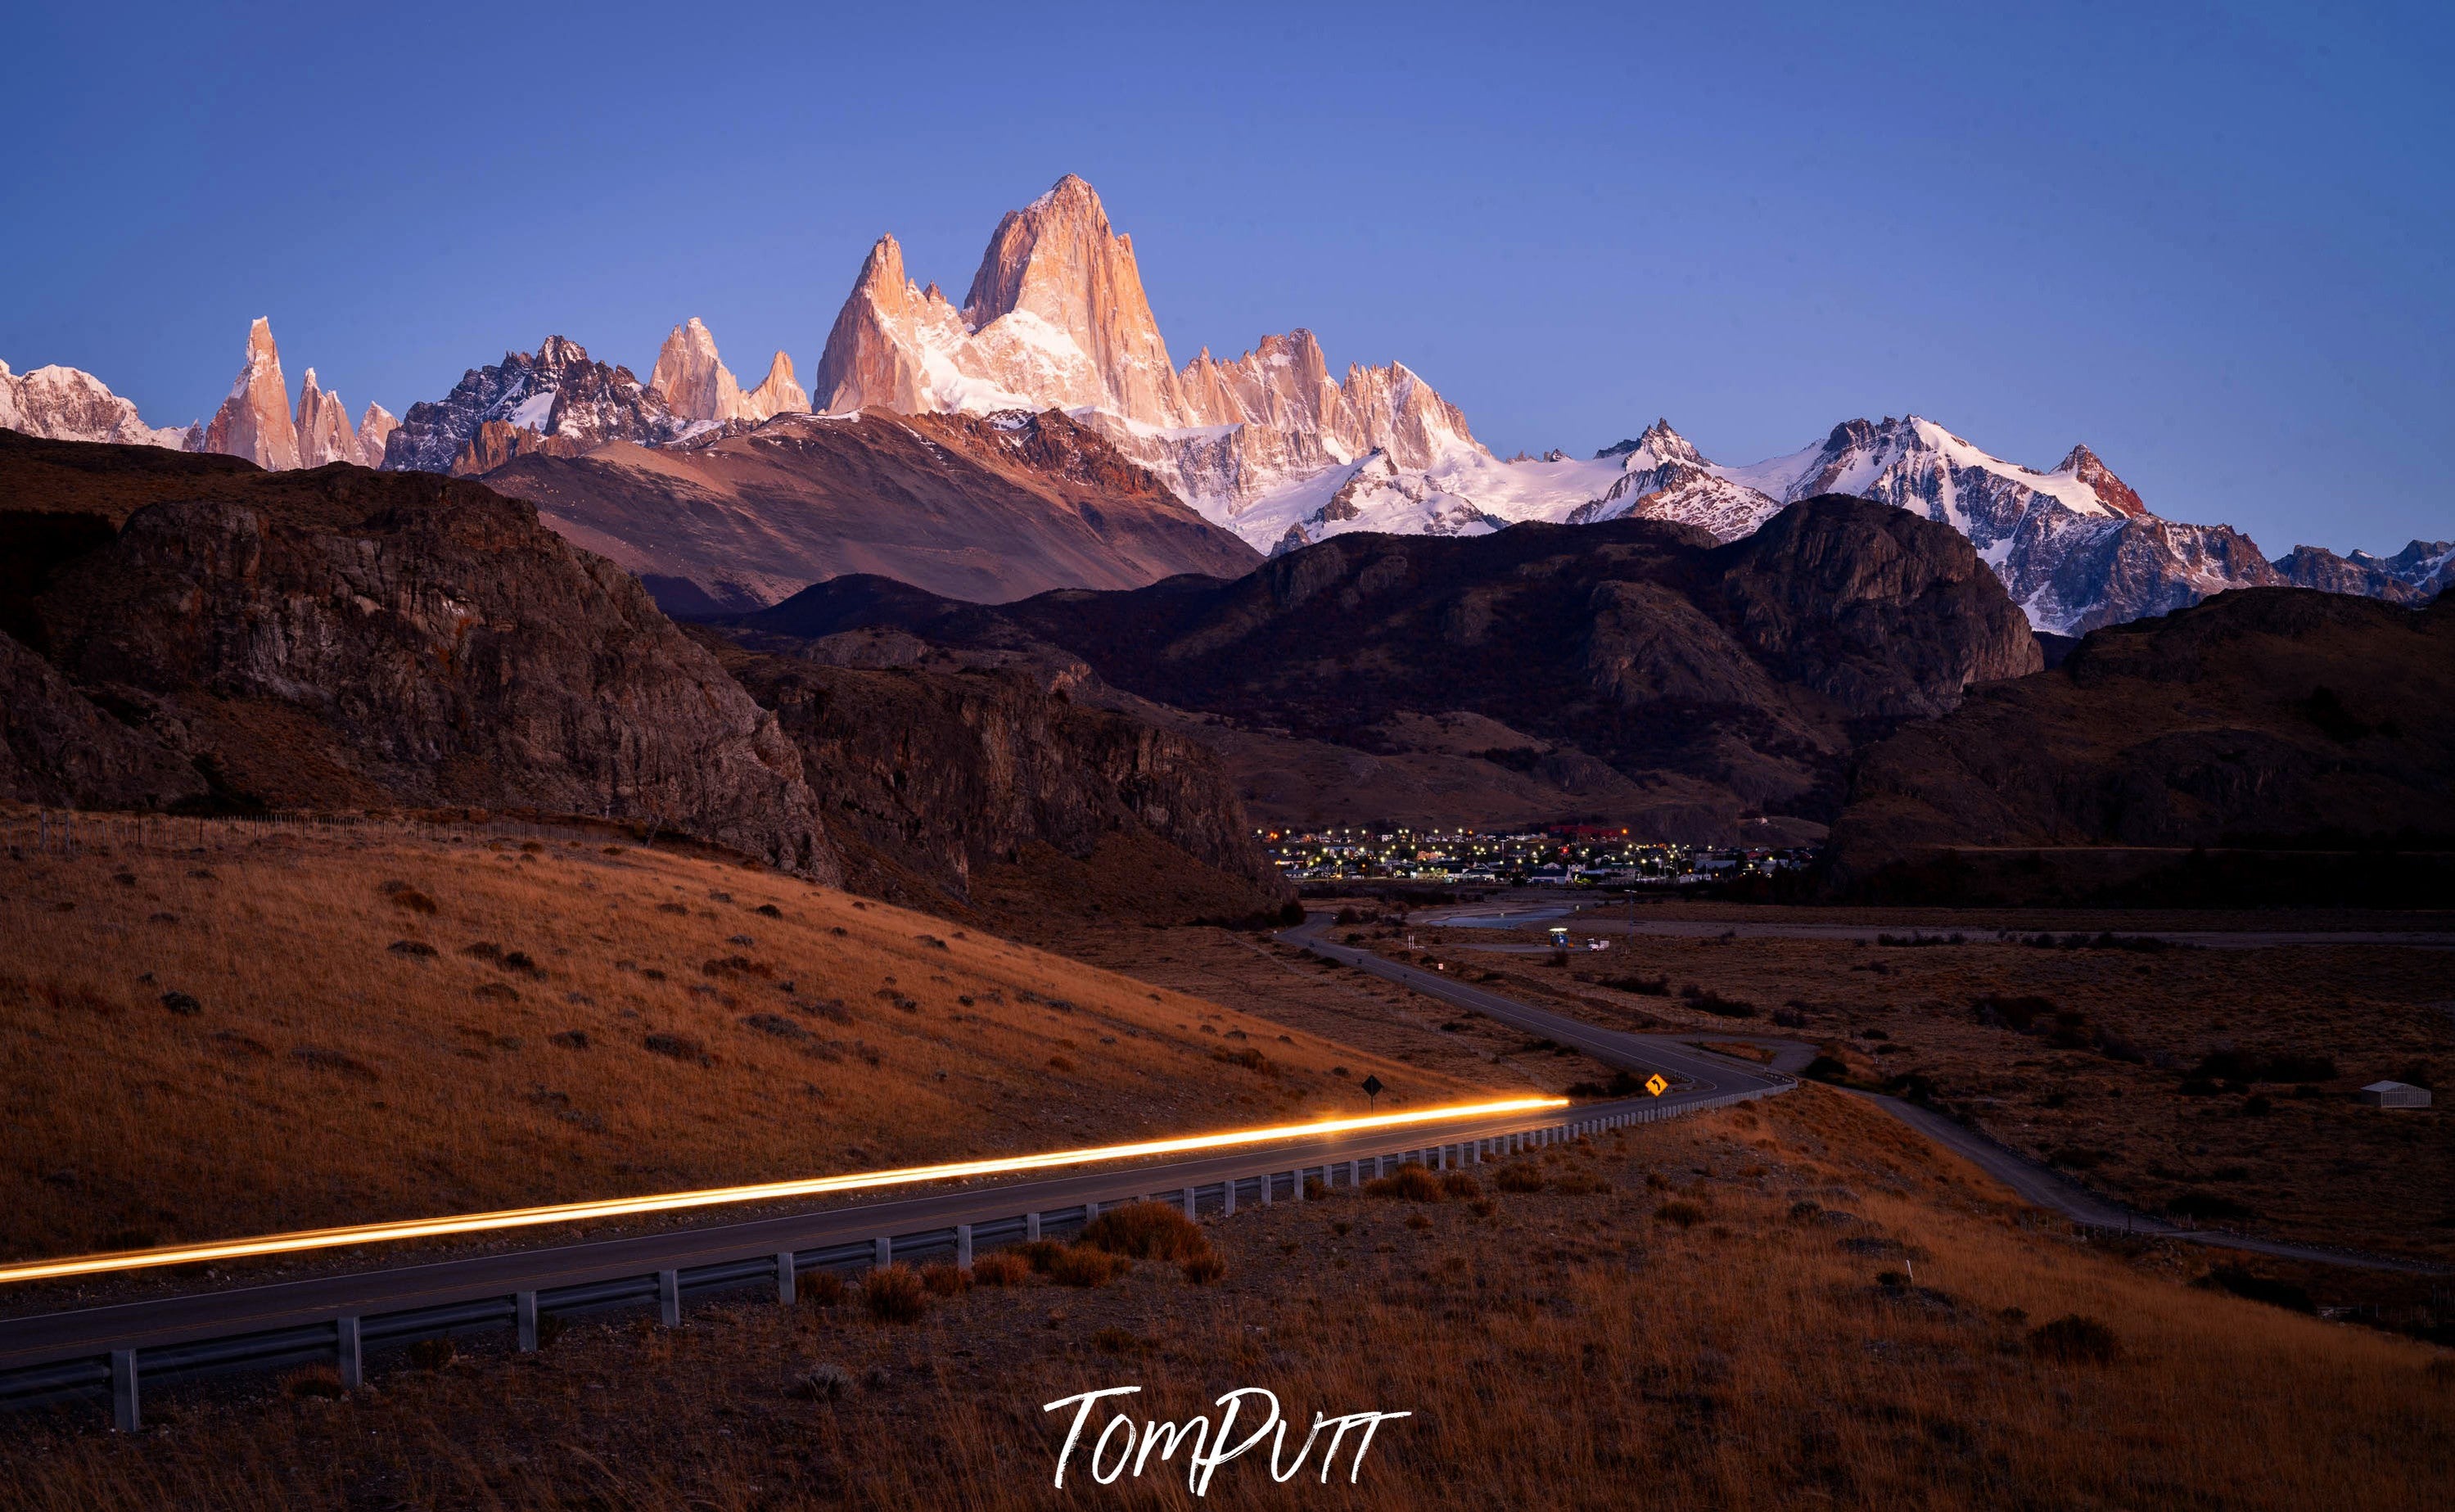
pixel 1684 686
pixel 559 394
pixel 66 404
pixel 2270 717
pixel 345 638
pixel 2415 575
pixel 947 773
pixel 982 508
pixel 254 422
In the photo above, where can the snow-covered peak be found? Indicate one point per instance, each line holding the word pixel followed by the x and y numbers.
pixel 68 404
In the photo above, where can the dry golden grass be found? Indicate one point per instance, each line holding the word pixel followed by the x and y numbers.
pixel 737 1026
pixel 1556 1350
pixel 2315 1168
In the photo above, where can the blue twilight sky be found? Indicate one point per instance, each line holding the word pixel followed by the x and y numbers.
pixel 2213 243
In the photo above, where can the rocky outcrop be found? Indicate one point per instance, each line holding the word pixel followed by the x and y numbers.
pixel 375 432
pixel 325 434
pixel 950 772
pixel 982 508
pixel 343 637
pixel 1718 683
pixel 59 748
pixel 67 405
pixel 254 422
pixel 557 393
pixel 2279 718
pixel 2415 575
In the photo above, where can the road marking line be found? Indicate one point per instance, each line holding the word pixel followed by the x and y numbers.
pixel 713 1196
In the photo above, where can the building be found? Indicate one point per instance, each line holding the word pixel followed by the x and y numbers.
pixel 2395 1095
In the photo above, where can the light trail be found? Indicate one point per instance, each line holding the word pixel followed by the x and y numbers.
pixel 715 1197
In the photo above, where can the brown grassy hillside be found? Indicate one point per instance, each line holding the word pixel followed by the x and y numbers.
pixel 286 1028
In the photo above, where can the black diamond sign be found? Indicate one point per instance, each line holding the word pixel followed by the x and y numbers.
pixel 1371 1089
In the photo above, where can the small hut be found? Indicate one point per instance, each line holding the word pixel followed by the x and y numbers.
pixel 2395 1095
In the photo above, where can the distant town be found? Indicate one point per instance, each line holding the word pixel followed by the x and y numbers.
pixel 1553 855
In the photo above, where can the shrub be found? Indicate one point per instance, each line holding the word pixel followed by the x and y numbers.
pixel 2245 1283
pixel 946 1280
pixel 1825 1068
pixel 431 1354
pixel 1520 1177
pixel 1146 1231
pixel 2075 1340
pixel 1205 1268
pixel 821 1289
pixel 893 1294
pixel 2020 1015
pixel 1115 1340
pixel 1410 1181
pixel 823 1382
pixel 186 1007
pixel 1313 1190
pixel 1680 1211
pixel 1000 1268
pixel 1458 1184
pixel 1580 1184
pixel 1642 986
pixel 314 1381
pixel 1040 1254
pixel 675 1047
pixel 415 901
pixel 411 948
pixel 1084 1265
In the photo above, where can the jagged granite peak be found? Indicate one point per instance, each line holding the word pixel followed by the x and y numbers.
pixel 323 425
pixel 1057 266
pixel 1056 318
pixel 559 399
pixel 375 429
pixel 694 380
pixel 255 422
pixel 69 404
pixel 2415 575
pixel 779 393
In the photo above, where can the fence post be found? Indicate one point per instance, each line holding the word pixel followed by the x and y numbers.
pixel 1189 1199
pixel 1090 1211
pixel 1296 1179
pixel 1031 1226
pixel 1265 1189
pixel 964 1239
pixel 786 1281
pixel 1230 1187
pixel 525 1319
pixel 669 1297
pixel 1355 1173
pixel 351 1359
pixel 882 1253
pixel 123 1416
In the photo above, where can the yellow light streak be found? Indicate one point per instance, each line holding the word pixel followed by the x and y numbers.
pixel 714 1197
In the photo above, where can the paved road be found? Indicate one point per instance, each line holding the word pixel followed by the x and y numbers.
pixel 216 1314
pixel 1707 1075
pixel 1601 920
pixel 2040 1185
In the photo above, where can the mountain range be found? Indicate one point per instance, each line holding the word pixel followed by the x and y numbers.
pixel 1270 447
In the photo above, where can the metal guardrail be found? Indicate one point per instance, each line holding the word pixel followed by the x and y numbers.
pixel 345 1339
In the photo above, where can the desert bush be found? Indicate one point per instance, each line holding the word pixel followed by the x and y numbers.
pixel 942 1279
pixel 181 1004
pixel 1458 1184
pixel 2244 1282
pixel 2075 1340
pixel 821 1289
pixel 1146 1231
pixel 1084 1265
pixel 1410 1181
pixel 1714 1003
pixel 1313 1189
pixel 431 1354
pixel 1642 986
pixel 1040 1254
pixel 1001 1268
pixel 1681 1211
pixel 412 900
pixel 676 1047
pixel 314 1381
pixel 894 1294
pixel 823 1382
pixel 1519 1177
pixel 1205 1268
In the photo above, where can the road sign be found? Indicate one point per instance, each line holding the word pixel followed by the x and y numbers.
pixel 1656 1085
pixel 1371 1086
